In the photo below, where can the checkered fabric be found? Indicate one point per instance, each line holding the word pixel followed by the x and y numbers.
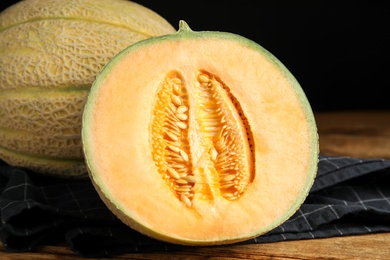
pixel 349 196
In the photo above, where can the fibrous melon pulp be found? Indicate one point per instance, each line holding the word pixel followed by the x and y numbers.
pixel 199 138
pixel 50 53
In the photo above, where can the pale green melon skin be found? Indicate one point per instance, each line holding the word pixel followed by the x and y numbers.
pixel 50 53
pixel 185 33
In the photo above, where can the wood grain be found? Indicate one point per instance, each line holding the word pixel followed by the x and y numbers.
pixel 372 246
pixel 347 133
pixel 357 134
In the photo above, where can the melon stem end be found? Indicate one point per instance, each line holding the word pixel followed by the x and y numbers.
pixel 184 27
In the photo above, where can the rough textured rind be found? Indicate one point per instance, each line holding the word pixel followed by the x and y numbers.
pixel 50 53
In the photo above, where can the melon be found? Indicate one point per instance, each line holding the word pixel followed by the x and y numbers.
pixel 50 53
pixel 199 138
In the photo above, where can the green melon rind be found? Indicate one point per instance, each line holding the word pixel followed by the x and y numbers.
pixel 184 33
pixel 124 14
pixel 42 123
pixel 59 167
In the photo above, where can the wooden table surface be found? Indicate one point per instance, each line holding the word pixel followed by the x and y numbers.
pixel 354 133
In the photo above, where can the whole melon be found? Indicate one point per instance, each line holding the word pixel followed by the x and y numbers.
pixel 50 53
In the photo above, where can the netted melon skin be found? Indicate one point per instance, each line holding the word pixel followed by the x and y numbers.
pixel 50 53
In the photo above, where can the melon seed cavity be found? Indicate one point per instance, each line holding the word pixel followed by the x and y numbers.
pixel 220 161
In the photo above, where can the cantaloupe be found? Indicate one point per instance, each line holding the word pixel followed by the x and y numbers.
pixel 199 138
pixel 50 53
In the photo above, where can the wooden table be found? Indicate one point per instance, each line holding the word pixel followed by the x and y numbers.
pixel 357 134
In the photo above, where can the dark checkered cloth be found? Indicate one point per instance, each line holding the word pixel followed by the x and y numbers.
pixel 349 196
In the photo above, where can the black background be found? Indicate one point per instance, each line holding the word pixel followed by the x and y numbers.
pixel 339 52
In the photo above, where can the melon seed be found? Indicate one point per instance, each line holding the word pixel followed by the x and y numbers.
pixel 171 135
pixel 189 178
pixel 176 100
pixel 213 153
pixel 181 181
pixel 181 125
pixel 217 116
pixel 176 89
pixel 227 185
pixel 181 109
pixel 203 78
pixel 228 177
pixel 173 173
pixel 184 155
pixel 186 200
pixel 182 116
pixel 227 195
pixel 173 148
pixel 177 81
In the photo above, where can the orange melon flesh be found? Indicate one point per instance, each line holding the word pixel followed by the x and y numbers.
pixel 117 135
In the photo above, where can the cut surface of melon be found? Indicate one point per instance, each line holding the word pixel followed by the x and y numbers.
pixel 199 138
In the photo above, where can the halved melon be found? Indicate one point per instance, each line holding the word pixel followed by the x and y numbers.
pixel 199 138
